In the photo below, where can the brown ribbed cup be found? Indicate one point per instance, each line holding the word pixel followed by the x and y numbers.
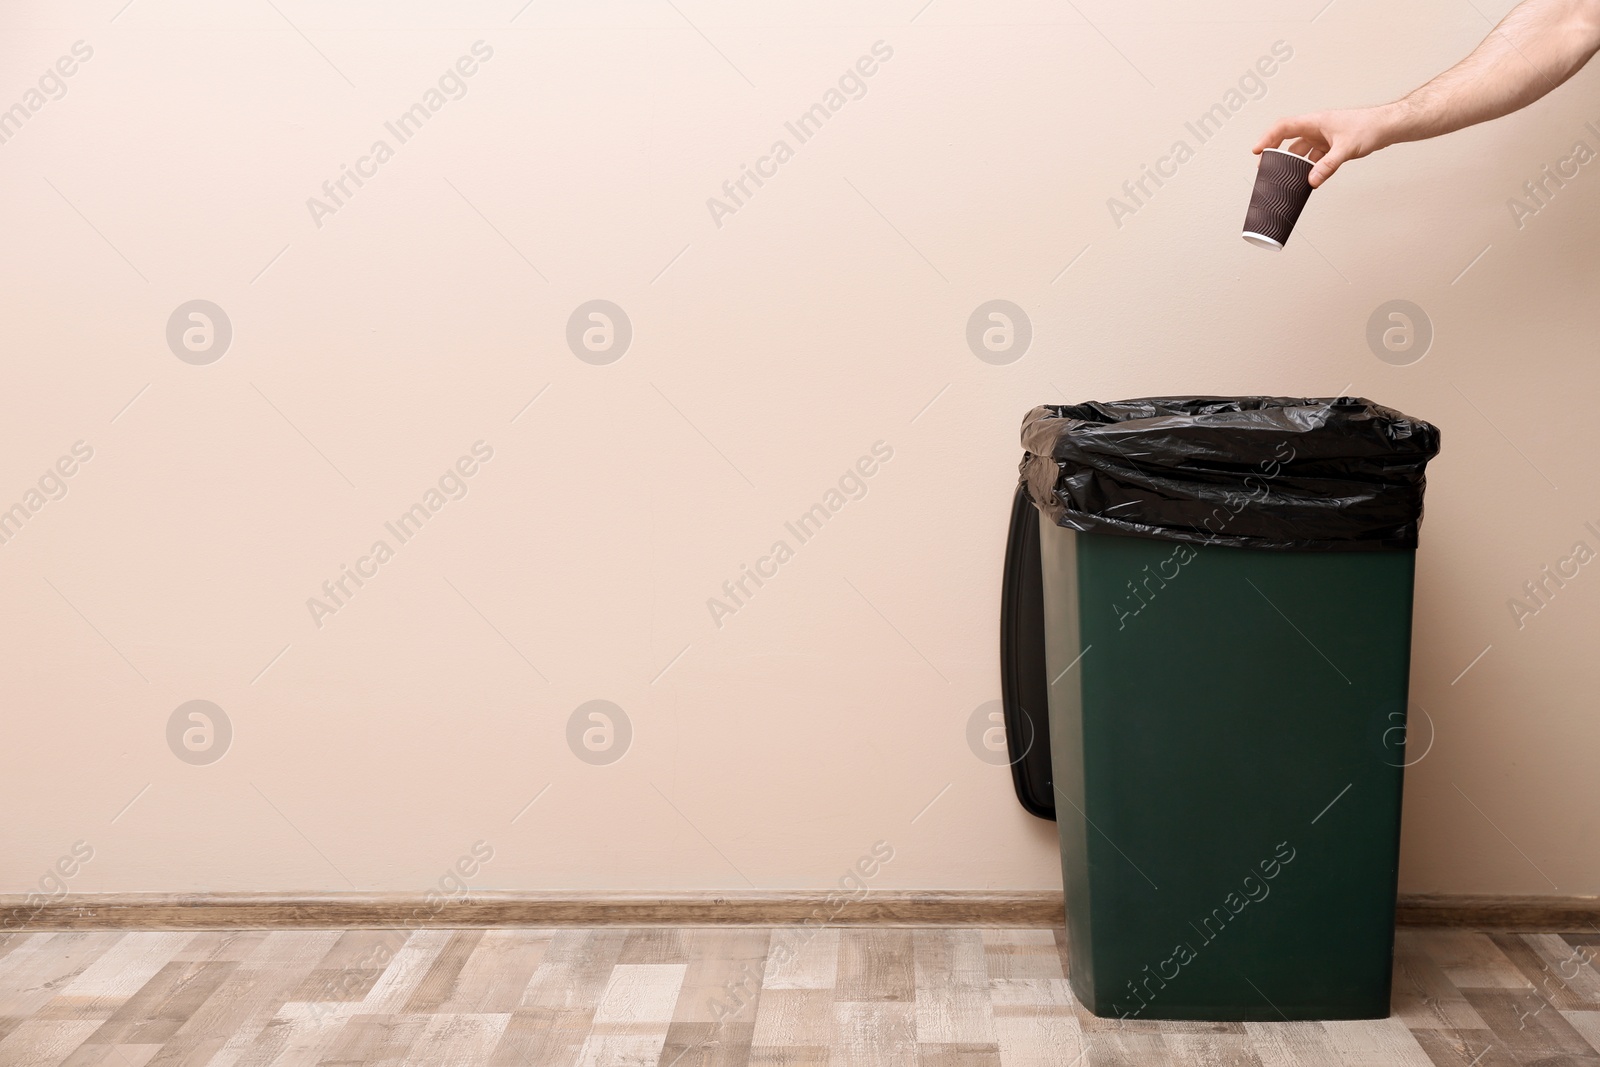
pixel 1282 189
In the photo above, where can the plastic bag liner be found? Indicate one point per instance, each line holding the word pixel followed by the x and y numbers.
pixel 1291 474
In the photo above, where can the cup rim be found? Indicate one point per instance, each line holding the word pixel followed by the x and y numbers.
pixel 1296 155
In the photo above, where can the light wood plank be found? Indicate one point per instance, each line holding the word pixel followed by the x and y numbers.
pixel 112 1056
pixel 241 997
pixel 247 997
pixel 294 949
pixel 641 993
pixel 457 1040
pixel 285 957
pixel 790 1056
pixel 723 980
pixel 493 980
pixel 1022 954
pixel 575 969
pixel 439 983
pixel 805 957
pixel 958 1055
pixel 795 1018
pixel 657 944
pixel 875 1033
pixel 1530 1027
pixel 44 1042
pixel 1375 1043
pixel 1587 1023
pixel 126 965
pixel 1546 978
pixel 405 972
pixel 1464 1048
pixel 1295 1044
pixel 1039 1040
pixel 543 1036
pixel 38 977
pixel 1423 996
pixel 370 1040
pixel 1573 965
pixel 27 967
pixel 363 949
pixel 698 1044
pixel 951 972
pixel 1008 994
pixel 876 965
pixel 615 1050
pixel 1471 960
pixel 296 1035
pixel 10 942
pixel 163 1004
pixel 1108 1048
pixel 1212 1050
pixel 220 946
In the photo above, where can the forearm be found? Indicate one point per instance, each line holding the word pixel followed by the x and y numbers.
pixel 1535 48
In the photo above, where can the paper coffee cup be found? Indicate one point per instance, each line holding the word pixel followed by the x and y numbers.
pixel 1281 191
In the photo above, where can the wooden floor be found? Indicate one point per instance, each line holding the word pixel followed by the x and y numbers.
pixel 942 997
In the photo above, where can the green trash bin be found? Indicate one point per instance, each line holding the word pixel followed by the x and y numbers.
pixel 1228 663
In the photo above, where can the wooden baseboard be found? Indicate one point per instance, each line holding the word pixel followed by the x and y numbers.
pixel 1500 912
pixel 164 911
pixel 1027 908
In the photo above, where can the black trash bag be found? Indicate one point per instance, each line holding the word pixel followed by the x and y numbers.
pixel 1285 473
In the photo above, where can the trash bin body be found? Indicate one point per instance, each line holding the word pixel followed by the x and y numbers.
pixel 1227 586
pixel 1228 743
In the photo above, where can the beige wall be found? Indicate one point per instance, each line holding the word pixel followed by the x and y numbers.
pixel 769 354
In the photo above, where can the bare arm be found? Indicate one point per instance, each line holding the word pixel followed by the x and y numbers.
pixel 1535 48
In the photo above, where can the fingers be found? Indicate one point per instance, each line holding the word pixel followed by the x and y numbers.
pixel 1283 129
pixel 1303 147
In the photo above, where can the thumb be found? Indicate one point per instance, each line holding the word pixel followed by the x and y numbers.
pixel 1326 166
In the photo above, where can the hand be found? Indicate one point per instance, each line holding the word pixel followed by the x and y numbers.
pixel 1330 138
